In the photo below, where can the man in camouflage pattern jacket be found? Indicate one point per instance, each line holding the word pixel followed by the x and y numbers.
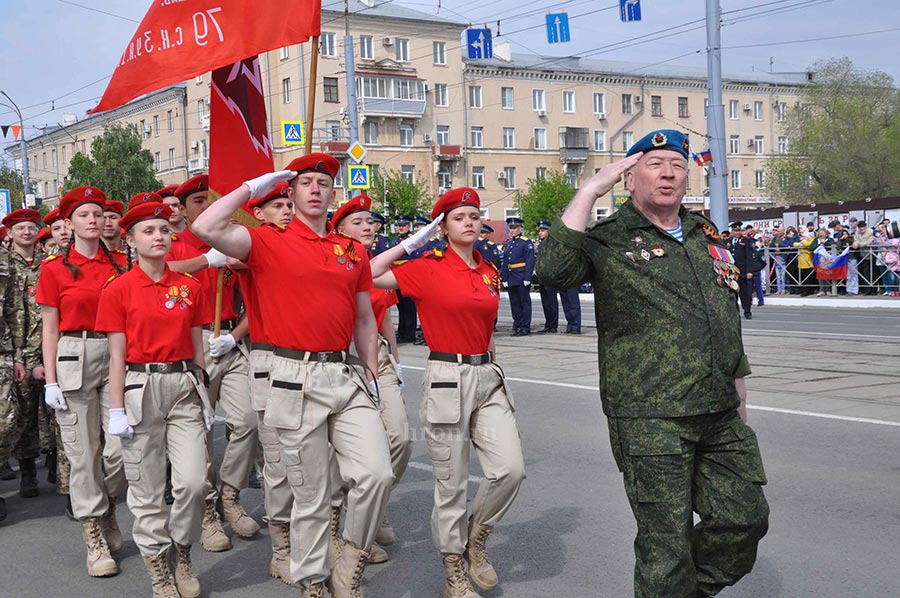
pixel 671 363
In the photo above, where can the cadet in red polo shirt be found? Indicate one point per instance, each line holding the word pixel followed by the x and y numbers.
pixel 228 367
pixel 61 234
pixel 76 370
pixel 354 218
pixel 159 404
pixel 466 396
pixel 313 293
pixel 111 233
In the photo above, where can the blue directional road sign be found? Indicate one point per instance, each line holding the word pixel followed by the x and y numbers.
pixel 358 175
pixel 630 9
pixel 479 44
pixel 558 28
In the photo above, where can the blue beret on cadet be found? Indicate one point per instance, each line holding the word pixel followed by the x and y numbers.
pixel 515 221
pixel 376 217
pixel 544 224
pixel 663 139
pixel 486 228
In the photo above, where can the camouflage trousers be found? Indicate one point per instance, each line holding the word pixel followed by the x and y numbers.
pixel 675 467
pixel 28 395
pixel 9 408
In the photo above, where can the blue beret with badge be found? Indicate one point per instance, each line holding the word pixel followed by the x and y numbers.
pixel 663 139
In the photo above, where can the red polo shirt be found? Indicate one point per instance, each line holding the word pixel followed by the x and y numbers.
pixel 156 317
pixel 187 245
pixel 256 329
pixel 457 304
pixel 382 300
pixel 75 298
pixel 306 285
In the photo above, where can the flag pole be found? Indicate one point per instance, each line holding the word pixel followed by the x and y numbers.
pixel 311 102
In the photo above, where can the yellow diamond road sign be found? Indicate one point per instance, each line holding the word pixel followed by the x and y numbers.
pixel 358 175
pixel 357 152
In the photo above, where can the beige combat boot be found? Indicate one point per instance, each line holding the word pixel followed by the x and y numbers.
pixel 242 524
pixel 161 580
pixel 480 568
pixel 317 590
pixel 335 542
pixel 187 583
pixel 346 577
pixel 110 528
pixel 457 582
pixel 212 536
pixel 377 555
pixel 385 534
pixel 99 561
pixel 280 567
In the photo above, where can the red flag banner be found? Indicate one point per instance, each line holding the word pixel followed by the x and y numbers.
pixel 181 39
pixel 239 139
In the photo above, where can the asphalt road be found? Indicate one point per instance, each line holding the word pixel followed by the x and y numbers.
pixel 833 488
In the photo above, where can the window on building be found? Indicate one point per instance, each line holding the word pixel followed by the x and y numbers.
pixel 327 45
pixel 572 175
pixel 199 79
pixel 538 101
pixel 540 173
pixel 478 177
pixel 370 130
pixel 156 125
pixel 408 172
pixel 440 95
pixel 330 86
pixel 782 145
pixel 540 139
pixel 203 148
pixel 599 140
pixel 439 49
pixel 655 105
pixel 511 213
pixel 171 157
pixel 406 135
pixel 757 110
pixel 475 96
pixel 705 107
pixel 734 146
pixel 201 112
pixel 44 157
pixel 402 47
pixel 509 138
pixel 506 98
pixel 627 140
pixel 443 134
pixel 444 177
pixel 626 103
pixel 170 118
pixel 735 179
pixel 683 107
pixel 477 137
pixel 758 144
pixel 782 111
pixel 157 161
pixel 366 48
pixel 333 130
pixel 599 103
pixel 568 98
pixel 284 53
pixel 64 153
pixel 509 174
pixel 286 91
pixel 733 109
pixel 760 179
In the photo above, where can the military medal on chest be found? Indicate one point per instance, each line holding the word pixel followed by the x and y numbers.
pixel 493 283
pixel 723 265
pixel 179 296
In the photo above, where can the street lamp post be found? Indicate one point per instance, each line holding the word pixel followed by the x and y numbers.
pixel 26 182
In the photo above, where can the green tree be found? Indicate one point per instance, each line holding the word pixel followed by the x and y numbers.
pixel 118 164
pixel 843 140
pixel 12 180
pixel 545 199
pixel 403 197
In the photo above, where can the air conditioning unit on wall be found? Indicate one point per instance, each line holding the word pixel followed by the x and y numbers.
pixel 638 99
pixel 388 41
pixel 501 175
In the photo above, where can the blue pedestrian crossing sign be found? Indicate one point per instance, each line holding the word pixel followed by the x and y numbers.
pixel 558 28
pixel 630 9
pixel 358 175
pixel 293 132
pixel 479 44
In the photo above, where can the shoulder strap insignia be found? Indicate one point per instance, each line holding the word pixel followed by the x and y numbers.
pixel 50 258
pixel 174 237
pixel 435 255
pixel 188 275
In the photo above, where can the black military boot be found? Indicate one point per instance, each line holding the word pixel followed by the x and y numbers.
pixel 28 485
pixel 6 471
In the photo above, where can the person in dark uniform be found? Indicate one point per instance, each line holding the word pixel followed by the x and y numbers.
pixel 672 368
pixel 406 309
pixel 742 248
pixel 570 301
pixel 487 248
pixel 515 272
pixel 381 241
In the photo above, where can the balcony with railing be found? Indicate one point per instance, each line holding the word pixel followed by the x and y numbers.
pixel 198 165
pixel 398 97
pixel 446 152
pixel 574 143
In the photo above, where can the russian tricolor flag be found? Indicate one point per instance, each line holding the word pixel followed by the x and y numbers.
pixel 830 267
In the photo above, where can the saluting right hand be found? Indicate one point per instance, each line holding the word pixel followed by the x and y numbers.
pixel 263 185
pixel 607 177
pixel 54 398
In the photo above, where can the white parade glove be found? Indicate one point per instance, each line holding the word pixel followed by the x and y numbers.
pixel 419 239
pixel 220 345
pixel 215 258
pixel 265 184
pixel 118 424
pixel 527 283
pixel 54 398
pixel 208 418
pixel 400 375
pixel 505 284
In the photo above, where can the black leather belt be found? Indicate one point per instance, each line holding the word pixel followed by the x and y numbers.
pixel 261 347
pixel 321 357
pixel 164 368
pixel 225 325
pixel 84 334
pixel 460 358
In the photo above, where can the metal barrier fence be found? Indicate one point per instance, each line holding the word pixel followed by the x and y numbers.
pixel 790 270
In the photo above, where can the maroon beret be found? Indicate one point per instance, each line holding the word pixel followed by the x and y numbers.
pixel 114 206
pixel 192 185
pixel 315 163
pixel 78 196
pixel 280 190
pixel 22 215
pixel 167 191
pixel 140 211
pixel 455 198
pixel 360 203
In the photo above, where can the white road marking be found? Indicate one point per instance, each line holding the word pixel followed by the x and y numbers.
pixel 846 418
pixel 425 467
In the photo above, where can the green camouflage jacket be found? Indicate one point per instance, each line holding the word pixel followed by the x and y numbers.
pixel 8 287
pixel 26 325
pixel 668 325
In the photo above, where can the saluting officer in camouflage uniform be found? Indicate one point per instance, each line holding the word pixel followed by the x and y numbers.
pixel 671 370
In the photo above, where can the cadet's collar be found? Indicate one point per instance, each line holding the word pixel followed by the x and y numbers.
pixel 168 279
pixel 457 263
pixel 306 232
